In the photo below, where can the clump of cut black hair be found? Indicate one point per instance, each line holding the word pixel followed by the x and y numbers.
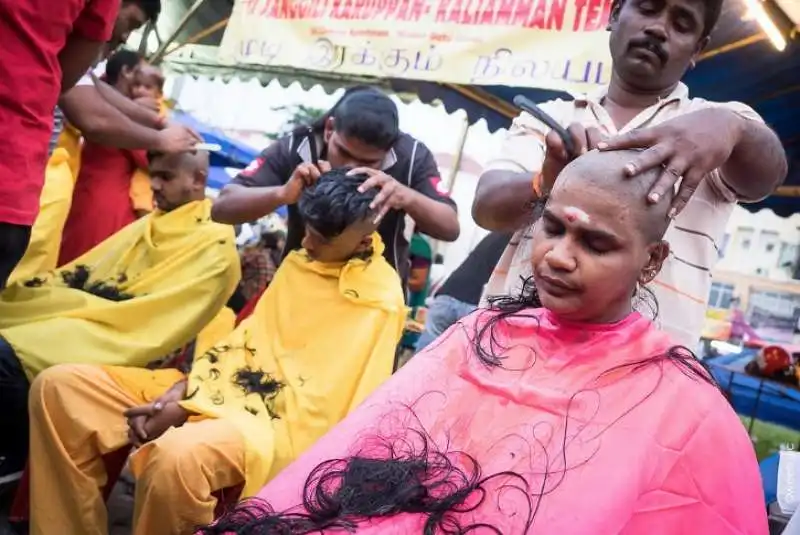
pixel 78 279
pixel 260 383
pixel 711 12
pixel 334 203
pixel 119 60
pixel 364 113
pixel 401 476
pixel 151 8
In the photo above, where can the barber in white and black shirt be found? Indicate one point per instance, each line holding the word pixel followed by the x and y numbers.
pixel 360 131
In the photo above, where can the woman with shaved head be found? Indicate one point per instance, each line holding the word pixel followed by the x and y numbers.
pixel 559 411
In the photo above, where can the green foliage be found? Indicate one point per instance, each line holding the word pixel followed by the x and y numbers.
pixel 301 116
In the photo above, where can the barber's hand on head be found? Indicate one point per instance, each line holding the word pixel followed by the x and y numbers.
pixel 689 146
pixel 304 175
pixel 178 138
pixel 556 156
pixel 145 419
pixel 147 102
pixel 392 195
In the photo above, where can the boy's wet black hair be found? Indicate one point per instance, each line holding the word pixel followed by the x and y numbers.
pixel 334 202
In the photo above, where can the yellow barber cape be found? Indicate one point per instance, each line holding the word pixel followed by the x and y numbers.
pixel 55 201
pixel 320 339
pixel 150 288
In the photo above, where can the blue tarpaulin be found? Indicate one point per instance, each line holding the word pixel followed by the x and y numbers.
pixel 233 153
pixel 755 397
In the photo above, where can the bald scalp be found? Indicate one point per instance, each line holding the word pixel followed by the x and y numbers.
pixel 195 161
pixel 605 171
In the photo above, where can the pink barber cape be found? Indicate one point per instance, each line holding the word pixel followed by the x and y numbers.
pixel 645 450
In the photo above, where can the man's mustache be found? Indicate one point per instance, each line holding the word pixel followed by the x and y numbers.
pixel 652 45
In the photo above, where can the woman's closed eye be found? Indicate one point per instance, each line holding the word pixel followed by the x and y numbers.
pixel 552 226
pixel 598 242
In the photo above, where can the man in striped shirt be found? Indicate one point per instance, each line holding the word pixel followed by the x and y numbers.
pixel 715 153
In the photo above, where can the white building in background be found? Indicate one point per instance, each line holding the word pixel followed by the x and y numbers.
pixel 758 257
pixel 761 244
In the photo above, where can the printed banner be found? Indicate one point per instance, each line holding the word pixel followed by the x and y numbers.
pixel 556 44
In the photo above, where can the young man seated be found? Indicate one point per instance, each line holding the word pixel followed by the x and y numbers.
pixel 558 411
pixel 139 295
pixel 321 338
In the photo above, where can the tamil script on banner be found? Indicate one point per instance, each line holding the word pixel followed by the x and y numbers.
pixel 558 44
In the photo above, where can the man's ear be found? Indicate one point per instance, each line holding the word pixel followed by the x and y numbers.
pixel 701 45
pixel 366 241
pixel 658 253
pixel 328 131
pixel 613 15
pixel 200 179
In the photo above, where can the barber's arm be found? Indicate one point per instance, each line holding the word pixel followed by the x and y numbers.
pixel 258 190
pixel 76 58
pixel 101 122
pixel 135 112
pixel 757 164
pixel 433 211
pixel 730 137
pixel 505 191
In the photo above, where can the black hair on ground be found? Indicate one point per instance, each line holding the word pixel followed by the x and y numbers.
pixel 364 113
pixel 151 8
pixel 334 203
pixel 119 60
pixel 711 12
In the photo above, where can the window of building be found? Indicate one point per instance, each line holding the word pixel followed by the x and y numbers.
pixel 721 295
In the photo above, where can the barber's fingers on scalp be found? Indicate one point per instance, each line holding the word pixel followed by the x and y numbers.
pixel 657 149
pixel 308 173
pixel 691 179
pixel 671 172
pixel 377 179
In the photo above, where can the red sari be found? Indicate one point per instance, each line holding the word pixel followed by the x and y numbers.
pixel 101 203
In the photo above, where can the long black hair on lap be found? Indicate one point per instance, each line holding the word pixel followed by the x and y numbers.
pixel 412 474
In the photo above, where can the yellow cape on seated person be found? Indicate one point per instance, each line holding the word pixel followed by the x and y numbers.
pixel 179 267
pixel 54 204
pixel 319 341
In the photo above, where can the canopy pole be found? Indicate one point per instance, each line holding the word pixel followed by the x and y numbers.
pixel 181 25
pixel 201 34
pixel 145 38
pixel 451 180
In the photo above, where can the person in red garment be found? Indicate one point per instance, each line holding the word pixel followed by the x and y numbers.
pixel 101 203
pixel 47 46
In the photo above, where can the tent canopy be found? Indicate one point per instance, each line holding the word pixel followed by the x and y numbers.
pixel 739 64
pixel 232 154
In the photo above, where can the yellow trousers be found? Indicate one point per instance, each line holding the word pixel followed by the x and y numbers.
pixel 76 418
